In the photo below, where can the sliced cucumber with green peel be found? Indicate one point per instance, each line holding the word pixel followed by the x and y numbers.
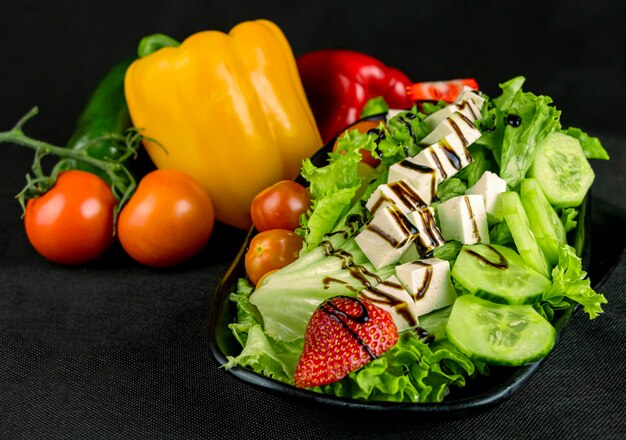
pixel 499 334
pixel 544 221
pixel 499 274
pixel 510 208
pixel 562 170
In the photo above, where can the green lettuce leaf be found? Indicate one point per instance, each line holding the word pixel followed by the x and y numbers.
pixel 260 353
pixel 568 218
pixel 333 187
pixel 501 234
pixel 374 106
pixel 287 298
pixel 482 161
pixel 412 371
pixel 449 188
pixel 449 251
pixel 592 147
pixel 538 119
pixel 571 282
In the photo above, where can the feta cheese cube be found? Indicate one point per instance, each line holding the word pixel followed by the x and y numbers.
pixel 423 178
pixel 469 94
pixel 429 237
pixel 463 218
pixel 428 282
pixel 391 296
pixel 448 156
pixel 456 123
pixel 490 185
pixel 466 107
pixel 400 193
pixel 388 235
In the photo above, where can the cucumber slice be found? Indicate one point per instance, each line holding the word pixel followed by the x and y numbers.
pixel 562 170
pixel 498 274
pixel 544 221
pixel 499 334
pixel 510 208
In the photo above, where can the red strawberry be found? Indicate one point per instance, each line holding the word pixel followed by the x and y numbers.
pixel 343 334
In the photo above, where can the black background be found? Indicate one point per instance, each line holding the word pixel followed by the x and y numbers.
pixel 112 349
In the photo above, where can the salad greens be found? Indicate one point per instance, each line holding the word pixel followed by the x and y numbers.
pixel 271 319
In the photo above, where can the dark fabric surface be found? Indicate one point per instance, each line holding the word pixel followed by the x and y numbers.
pixel 116 350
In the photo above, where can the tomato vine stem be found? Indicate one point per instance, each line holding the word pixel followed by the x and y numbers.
pixel 123 183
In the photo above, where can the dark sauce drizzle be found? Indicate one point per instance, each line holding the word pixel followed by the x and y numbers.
pixel 513 120
pixel 458 132
pixel 469 106
pixel 502 263
pixel 328 280
pixel 342 318
pixel 404 193
pixel 423 335
pixel 380 135
pixel 438 163
pixel 428 276
pixel 472 218
pixel 454 159
pixel 400 219
pixel 361 273
pixel 409 127
pixel 378 296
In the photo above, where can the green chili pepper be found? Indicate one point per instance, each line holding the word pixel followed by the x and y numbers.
pixel 106 113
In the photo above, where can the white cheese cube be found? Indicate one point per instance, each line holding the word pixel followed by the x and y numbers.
pixel 490 185
pixel 463 218
pixel 448 157
pixel 428 282
pixel 391 296
pixel 456 123
pixel 466 107
pixel 392 112
pixel 469 94
pixel 423 178
pixel 429 237
pixel 388 235
pixel 400 193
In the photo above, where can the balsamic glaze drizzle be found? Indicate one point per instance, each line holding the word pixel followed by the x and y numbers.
pixel 342 318
pixel 502 263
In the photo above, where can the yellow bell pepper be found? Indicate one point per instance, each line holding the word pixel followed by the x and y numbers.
pixel 227 109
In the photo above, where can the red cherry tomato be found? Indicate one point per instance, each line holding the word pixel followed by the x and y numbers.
pixel 366 155
pixel 73 222
pixel 167 221
pixel 280 206
pixel 271 250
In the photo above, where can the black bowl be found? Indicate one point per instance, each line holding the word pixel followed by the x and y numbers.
pixel 479 394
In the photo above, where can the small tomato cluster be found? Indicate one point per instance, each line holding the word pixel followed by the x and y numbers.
pixel 167 221
pixel 275 213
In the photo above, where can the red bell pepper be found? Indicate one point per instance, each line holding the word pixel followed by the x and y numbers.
pixel 446 91
pixel 338 84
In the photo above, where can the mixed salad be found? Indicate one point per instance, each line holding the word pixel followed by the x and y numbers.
pixel 449 256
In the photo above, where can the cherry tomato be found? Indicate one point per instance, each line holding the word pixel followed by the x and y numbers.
pixel 167 221
pixel 280 206
pixel 73 222
pixel 364 126
pixel 271 250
